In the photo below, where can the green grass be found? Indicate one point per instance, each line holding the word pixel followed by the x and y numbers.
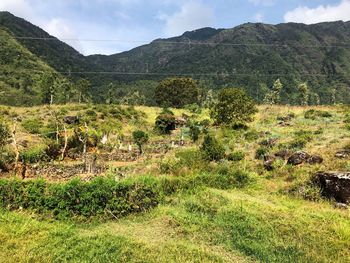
pixel 207 213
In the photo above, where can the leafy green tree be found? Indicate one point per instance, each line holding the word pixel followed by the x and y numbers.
pixel 177 92
pixel 48 88
pixel 274 95
pixel 212 149
pixel 140 138
pixel 304 93
pixel 194 132
pixel 84 90
pixel 234 106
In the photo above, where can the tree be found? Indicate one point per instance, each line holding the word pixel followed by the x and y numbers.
pixel 177 92
pixel 48 88
pixel 165 122
pixel 304 93
pixel 234 106
pixel 273 96
pixel 140 138
pixel 84 87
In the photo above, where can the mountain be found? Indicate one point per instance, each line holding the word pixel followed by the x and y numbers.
pixel 251 56
pixel 21 73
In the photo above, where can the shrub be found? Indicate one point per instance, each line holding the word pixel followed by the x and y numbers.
pixel 32 125
pixel 7 158
pixel 212 149
pixel 236 156
pixel 4 134
pixel 165 123
pixel 53 150
pixel 33 155
pixel 194 132
pixel 261 153
pixel 101 196
pixel 314 114
pixel 140 138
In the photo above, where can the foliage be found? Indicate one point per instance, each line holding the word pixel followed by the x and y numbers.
pixel 212 149
pixel 236 156
pixel 314 114
pixel 4 134
pixel 32 125
pixel 234 106
pixel 165 123
pixel 177 92
pixel 101 196
pixel 140 138
pixel 304 96
pixel 194 132
pixel 33 155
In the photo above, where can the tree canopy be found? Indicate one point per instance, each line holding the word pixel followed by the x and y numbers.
pixel 234 106
pixel 177 92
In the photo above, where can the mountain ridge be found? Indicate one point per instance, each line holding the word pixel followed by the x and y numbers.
pixel 251 56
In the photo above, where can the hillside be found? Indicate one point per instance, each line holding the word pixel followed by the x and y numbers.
pixel 170 204
pixel 20 73
pixel 251 56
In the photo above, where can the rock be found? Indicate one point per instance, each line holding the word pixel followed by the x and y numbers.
pixel 341 206
pixel 315 159
pixel 71 120
pixel 298 158
pixel 343 154
pixel 334 185
pixel 269 162
pixel 303 157
pixel 283 154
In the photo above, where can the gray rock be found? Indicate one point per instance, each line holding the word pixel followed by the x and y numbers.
pixel 334 185
pixel 298 158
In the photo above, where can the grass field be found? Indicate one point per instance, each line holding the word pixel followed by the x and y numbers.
pixel 274 218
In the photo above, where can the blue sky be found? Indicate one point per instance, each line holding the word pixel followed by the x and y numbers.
pixel 132 21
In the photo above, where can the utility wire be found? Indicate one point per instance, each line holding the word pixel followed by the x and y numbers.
pixel 342 45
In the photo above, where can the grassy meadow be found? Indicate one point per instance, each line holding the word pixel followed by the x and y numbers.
pixel 228 211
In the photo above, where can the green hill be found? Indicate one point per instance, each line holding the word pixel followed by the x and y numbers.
pixel 20 73
pixel 251 56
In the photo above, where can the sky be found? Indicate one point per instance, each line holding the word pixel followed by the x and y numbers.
pixel 113 26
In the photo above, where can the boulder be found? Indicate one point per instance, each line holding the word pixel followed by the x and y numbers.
pixel 269 162
pixel 303 157
pixel 298 158
pixel 334 185
pixel 343 154
pixel 71 120
pixel 315 159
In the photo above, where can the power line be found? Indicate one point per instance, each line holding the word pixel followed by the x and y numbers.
pixel 286 45
pixel 210 74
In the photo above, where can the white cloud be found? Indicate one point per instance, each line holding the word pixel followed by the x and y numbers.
pixel 259 17
pixel 322 13
pixel 61 29
pixel 193 15
pixel 19 7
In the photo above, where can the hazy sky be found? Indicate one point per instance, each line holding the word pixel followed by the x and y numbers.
pixel 131 21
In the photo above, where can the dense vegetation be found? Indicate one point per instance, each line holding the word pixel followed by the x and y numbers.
pixel 313 54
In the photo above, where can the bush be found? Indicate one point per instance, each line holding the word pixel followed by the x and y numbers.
pixel 7 158
pixel 261 153
pixel 140 138
pixel 4 134
pixel 32 125
pixel 33 155
pixel 165 123
pixel 314 114
pixel 212 150
pixel 101 196
pixel 194 132
pixel 236 156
